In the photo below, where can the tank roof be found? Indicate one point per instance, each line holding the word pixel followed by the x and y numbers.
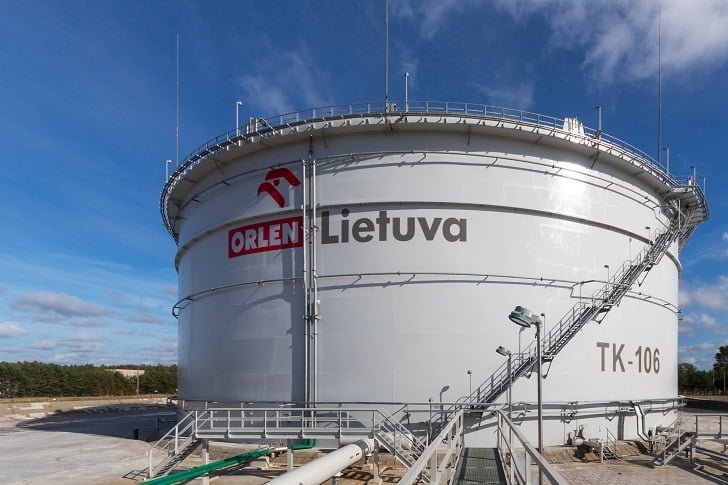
pixel 569 130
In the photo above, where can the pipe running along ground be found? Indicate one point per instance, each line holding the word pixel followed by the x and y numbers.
pixel 321 469
pixel 222 464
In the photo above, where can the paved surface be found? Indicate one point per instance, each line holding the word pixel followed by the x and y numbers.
pixel 79 448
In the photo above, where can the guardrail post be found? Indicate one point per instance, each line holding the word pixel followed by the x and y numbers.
pixel 720 426
pixel 527 466
pixel 150 462
pixel 265 423
pixel 176 434
pixel 434 478
pixel 697 430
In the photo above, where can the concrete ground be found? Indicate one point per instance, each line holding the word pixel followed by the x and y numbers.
pixel 92 445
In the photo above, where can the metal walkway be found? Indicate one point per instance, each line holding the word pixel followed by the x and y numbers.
pixel 480 466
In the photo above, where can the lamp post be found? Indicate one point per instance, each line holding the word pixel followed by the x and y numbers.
pixel 470 383
pixel 599 120
pixel 524 317
pixel 429 422
pixel 406 91
pixel 238 104
pixel 442 408
pixel 507 353
pixel 166 169
pixel 667 158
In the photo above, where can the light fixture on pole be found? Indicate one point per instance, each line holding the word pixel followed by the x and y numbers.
pixel 524 317
pixel 470 379
pixel 507 353
pixel 166 169
pixel 598 133
pixel 667 158
pixel 238 104
pixel 406 91
pixel 442 408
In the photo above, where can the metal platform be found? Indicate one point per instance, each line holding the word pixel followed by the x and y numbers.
pixel 480 466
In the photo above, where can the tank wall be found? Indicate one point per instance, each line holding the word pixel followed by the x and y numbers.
pixel 404 320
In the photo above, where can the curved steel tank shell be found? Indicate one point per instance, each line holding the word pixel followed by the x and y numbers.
pixel 427 236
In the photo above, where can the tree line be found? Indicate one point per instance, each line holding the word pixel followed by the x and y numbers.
pixel 38 379
pixel 691 380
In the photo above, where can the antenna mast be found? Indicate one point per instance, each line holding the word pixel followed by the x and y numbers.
pixel 386 55
pixel 659 84
pixel 177 101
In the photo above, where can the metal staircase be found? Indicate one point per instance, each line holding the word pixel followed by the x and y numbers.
pixel 176 445
pixel 668 443
pixel 399 441
pixel 594 307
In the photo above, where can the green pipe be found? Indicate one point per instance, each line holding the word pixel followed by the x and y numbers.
pixel 220 464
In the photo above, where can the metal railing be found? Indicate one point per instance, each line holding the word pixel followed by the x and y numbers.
pixel 706 430
pixel 600 302
pixel 609 445
pixel 669 442
pixel 287 422
pixel 504 117
pixel 439 460
pixel 182 435
pixel 519 460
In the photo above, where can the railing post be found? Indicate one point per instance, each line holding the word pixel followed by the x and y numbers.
pixel 527 465
pixel 150 462
pixel 434 478
pixel 176 434
pixel 720 426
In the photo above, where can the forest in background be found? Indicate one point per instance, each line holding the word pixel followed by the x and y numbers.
pixel 38 379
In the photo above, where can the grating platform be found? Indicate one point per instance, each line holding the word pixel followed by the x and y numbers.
pixel 479 466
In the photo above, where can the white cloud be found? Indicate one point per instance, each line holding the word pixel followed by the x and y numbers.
pixel 725 236
pixel 700 355
pixel 141 317
pixel 44 345
pixel 281 76
pixel 511 95
pixel 620 36
pixel 430 15
pixel 712 296
pixel 702 323
pixel 57 306
pixel 11 330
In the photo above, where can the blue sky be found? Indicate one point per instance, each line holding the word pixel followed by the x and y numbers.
pixel 87 118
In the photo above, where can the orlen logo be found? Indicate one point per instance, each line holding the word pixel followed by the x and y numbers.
pixel 273 179
pixel 266 236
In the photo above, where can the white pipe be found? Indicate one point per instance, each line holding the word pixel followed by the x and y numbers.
pixel 321 469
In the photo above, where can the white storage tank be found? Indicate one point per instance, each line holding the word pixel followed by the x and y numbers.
pixel 360 254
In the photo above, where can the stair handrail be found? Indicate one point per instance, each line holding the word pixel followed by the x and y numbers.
pixel 613 439
pixel 609 294
pixel 174 440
